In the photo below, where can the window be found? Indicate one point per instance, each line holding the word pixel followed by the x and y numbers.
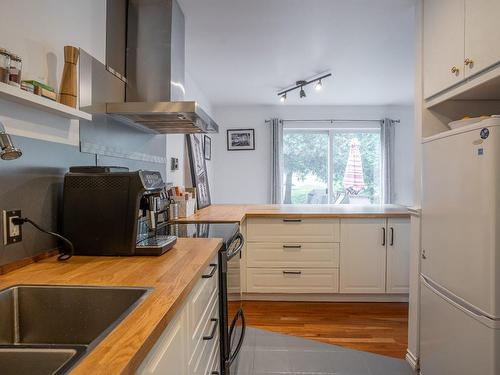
pixel 333 165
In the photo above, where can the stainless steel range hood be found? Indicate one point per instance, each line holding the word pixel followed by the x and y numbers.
pixel 154 69
pixel 164 117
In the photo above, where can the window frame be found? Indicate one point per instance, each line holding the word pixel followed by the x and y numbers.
pixel 330 129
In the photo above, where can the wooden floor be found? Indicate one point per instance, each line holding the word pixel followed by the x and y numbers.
pixel 380 328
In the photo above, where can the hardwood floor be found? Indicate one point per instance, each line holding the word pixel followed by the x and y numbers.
pixel 380 328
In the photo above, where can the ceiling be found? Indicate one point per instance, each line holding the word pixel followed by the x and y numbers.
pixel 243 51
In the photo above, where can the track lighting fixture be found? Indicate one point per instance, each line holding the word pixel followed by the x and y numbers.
pixel 301 84
pixel 302 92
pixel 319 85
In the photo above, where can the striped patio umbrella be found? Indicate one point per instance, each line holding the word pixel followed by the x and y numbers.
pixel 353 175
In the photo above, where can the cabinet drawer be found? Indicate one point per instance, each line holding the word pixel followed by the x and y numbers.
pixel 203 326
pixel 288 254
pixel 199 357
pixel 214 367
pixel 293 230
pixel 203 296
pixel 292 280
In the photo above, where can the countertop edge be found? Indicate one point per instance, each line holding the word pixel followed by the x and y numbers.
pixel 160 327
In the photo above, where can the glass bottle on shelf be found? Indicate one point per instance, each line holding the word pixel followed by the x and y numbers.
pixel 4 65
pixel 15 70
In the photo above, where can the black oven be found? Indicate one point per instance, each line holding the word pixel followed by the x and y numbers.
pixel 230 302
pixel 231 314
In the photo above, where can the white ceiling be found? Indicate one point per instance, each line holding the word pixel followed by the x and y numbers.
pixel 243 51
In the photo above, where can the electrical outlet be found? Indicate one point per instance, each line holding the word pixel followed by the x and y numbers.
pixel 12 233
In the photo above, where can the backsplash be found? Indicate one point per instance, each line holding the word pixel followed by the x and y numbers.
pixel 34 182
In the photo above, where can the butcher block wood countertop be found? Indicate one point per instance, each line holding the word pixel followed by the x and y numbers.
pixel 227 213
pixel 172 277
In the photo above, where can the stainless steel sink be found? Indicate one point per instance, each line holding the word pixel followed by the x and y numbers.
pixel 52 323
pixel 38 361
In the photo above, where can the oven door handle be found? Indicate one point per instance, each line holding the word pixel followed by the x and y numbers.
pixel 239 237
pixel 239 314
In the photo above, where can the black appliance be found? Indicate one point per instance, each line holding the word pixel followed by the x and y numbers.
pixel 113 211
pixel 231 314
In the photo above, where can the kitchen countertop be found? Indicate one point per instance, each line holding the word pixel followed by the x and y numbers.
pixel 172 277
pixel 227 213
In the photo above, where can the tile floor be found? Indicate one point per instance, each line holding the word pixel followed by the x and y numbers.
pixel 268 353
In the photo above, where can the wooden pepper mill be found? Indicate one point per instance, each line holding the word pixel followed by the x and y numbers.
pixel 68 91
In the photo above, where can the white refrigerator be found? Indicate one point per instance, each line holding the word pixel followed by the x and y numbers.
pixel 460 259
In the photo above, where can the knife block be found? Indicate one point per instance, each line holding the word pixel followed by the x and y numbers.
pixel 68 91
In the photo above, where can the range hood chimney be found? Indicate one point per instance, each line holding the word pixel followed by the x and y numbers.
pixel 154 70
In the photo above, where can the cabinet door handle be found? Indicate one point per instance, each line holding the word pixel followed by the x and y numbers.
pixel 292 272
pixel 292 246
pixel 383 236
pixel 455 70
pixel 212 271
pixel 212 332
pixel 392 236
pixel 292 220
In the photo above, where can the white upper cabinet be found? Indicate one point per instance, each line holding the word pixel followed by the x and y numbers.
pixel 443 55
pixel 482 35
pixel 398 255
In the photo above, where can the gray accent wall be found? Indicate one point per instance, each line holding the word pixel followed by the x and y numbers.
pixel 34 184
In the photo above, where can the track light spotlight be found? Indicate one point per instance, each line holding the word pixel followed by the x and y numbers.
pixel 319 85
pixel 317 81
pixel 302 92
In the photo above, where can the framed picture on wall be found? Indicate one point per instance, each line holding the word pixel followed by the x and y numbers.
pixel 199 176
pixel 207 147
pixel 240 139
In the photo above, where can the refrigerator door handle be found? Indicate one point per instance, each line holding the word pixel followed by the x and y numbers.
pixel 457 302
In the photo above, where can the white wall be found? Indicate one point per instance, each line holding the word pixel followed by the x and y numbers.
pixel 38 31
pixel 244 176
pixel 42 29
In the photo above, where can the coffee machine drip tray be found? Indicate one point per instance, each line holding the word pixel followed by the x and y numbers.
pixel 156 245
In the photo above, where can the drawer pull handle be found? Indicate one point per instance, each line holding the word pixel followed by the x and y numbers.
pixel 212 271
pixel 292 220
pixel 292 246
pixel 292 272
pixel 215 373
pixel 212 332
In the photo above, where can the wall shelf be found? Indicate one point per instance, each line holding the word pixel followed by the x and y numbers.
pixel 16 95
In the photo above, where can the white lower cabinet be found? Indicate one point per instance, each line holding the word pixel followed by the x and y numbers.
pixel 398 255
pixel 169 354
pixel 315 256
pixel 362 256
pixel 375 256
pixel 190 343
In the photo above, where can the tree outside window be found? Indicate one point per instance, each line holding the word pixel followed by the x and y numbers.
pixel 308 173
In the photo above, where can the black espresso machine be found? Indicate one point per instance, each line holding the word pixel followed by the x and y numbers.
pixel 112 211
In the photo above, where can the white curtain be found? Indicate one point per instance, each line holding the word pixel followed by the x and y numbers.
pixel 387 133
pixel 276 126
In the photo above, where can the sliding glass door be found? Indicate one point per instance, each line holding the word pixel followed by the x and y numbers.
pixel 339 165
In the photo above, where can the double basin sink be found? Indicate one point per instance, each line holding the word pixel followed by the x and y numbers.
pixel 46 329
